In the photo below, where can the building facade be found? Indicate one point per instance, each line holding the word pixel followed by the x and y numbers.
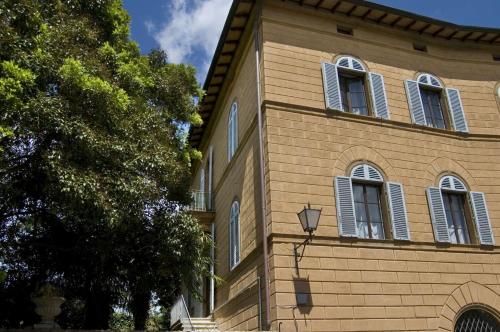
pixel 389 123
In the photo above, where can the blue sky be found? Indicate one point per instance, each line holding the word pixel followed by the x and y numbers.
pixel 189 29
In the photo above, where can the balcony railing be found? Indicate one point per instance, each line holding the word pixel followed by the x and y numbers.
pixel 201 201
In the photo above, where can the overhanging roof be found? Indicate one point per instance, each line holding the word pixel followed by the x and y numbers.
pixel 239 15
pixel 235 25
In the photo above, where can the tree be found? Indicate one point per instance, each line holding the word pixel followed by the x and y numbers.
pixel 94 169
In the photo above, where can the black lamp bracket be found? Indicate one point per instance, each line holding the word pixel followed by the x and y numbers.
pixel 296 247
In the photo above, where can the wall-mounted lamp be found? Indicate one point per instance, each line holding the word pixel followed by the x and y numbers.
pixel 309 219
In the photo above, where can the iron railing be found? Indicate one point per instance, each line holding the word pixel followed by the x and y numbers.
pixel 179 313
pixel 201 201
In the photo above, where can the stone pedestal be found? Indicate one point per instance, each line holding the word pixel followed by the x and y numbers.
pixel 48 307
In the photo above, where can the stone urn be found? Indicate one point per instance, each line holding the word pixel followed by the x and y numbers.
pixel 48 306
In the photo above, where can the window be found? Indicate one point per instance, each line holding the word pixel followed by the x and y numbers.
pixel 344 30
pixel 353 95
pixel 477 320
pixel 365 205
pixel 454 206
pixel 232 131
pixel 419 47
pixel 434 115
pixel 368 210
pixel 455 211
pixel 234 235
pixel 435 106
pixel 350 88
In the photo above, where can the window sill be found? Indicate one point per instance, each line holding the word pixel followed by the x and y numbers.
pixel 373 119
pixel 232 268
pixel 362 241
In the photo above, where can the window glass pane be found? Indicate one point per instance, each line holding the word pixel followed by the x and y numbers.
pixel 458 213
pixel 363 230
pixel 356 85
pixel 234 234
pixel 343 93
pixel 360 212
pixel 358 193
pixel 357 95
pixel 352 90
pixel 372 193
pixel 374 210
pixel 432 108
pixel 377 230
pixel 455 216
pixel 368 210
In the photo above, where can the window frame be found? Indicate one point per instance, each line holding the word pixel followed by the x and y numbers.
pixel 351 72
pixel 349 75
pixel 430 83
pixel 233 260
pixel 458 188
pixel 425 92
pixel 232 131
pixel 374 178
pixel 380 193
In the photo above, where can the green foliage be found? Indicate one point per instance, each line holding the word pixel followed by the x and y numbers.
pixel 93 170
pixel 121 321
pixel 14 82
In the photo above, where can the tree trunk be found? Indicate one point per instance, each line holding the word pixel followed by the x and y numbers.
pixel 98 310
pixel 139 306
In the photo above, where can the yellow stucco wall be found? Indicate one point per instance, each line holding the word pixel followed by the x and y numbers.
pixel 367 285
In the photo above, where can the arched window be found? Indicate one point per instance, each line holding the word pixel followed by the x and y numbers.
pixel 477 320
pixel 352 76
pixel 368 203
pixel 348 86
pixel 433 105
pixel 459 215
pixel 232 131
pixel 367 206
pixel 431 92
pixel 234 235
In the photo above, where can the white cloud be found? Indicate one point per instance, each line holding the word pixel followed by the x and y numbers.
pixel 150 26
pixel 192 31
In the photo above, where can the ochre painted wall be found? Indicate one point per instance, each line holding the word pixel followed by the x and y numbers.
pixel 366 285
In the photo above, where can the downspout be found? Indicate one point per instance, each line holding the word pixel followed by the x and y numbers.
pixel 212 231
pixel 262 174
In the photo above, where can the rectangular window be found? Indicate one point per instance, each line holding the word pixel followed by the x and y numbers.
pixel 344 30
pixel 368 208
pixel 419 47
pixel 352 90
pixel 433 109
pixel 454 206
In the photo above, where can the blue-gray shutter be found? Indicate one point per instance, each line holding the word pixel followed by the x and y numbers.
pixel 331 86
pixel 456 110
pixel 481 218
pixel 379 96
pixel 397 210
pixel 345 207
pixel 415 102
pixel 438 215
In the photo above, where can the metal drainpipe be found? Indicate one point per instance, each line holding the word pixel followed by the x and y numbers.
pixel 262 175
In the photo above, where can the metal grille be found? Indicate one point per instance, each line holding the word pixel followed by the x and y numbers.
pixel 477 320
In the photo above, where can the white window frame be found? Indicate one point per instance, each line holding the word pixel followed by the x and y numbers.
pixel 371 176
pixel 234 221
pixel 456 186
pixel 232 131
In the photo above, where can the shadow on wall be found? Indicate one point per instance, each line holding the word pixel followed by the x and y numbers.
pixel 302 289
